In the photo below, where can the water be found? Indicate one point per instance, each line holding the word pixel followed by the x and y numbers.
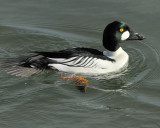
pixel 128 99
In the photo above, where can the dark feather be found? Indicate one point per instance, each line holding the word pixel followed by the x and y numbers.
pixel 13 66
pixel 76 52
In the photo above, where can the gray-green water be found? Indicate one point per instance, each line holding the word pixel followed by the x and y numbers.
pixel 129 99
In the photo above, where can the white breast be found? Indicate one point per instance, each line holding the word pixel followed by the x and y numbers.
pixel 121 59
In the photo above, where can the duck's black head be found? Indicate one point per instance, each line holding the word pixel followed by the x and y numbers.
pixel 117 32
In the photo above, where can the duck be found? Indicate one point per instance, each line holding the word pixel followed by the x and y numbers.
pixel 80 59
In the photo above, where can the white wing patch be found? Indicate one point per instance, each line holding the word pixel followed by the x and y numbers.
pixel 79 61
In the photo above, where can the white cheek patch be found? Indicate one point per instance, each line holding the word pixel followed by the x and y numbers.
pixel 125 35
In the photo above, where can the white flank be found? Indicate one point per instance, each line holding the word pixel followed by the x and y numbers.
pixel 94 65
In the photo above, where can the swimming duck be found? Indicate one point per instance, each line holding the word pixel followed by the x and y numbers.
pixel 80 60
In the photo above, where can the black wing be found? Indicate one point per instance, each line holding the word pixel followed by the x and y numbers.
pixel 68 53
pixel 76 57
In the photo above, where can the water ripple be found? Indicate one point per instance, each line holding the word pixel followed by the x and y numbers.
pixel 140 67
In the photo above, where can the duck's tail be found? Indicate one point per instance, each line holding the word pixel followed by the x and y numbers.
pixel 19 67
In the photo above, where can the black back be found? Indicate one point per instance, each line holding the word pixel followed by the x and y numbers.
pixel 86 52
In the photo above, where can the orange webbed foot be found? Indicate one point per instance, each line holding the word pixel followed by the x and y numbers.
pixel 80 82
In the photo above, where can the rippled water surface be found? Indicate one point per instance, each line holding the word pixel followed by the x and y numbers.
pixel 126 99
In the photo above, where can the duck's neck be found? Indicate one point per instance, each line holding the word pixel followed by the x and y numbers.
pixel 112 54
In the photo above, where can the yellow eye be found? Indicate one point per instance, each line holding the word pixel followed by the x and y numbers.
pixel 121 30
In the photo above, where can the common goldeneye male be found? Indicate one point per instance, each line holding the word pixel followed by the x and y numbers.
pixel 80 60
